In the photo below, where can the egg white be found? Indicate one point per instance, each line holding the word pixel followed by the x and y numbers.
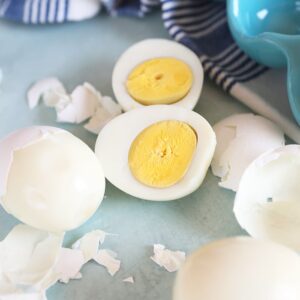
pixel 239 268
pixel 54 190
pixel 149 49
pixel 116 137
pixel 267 202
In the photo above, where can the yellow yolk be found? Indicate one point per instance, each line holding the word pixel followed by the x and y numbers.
pixel 161 154
pixel 160 81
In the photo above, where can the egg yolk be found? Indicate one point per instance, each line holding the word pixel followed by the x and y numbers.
pixel 161 154
pixel 159 81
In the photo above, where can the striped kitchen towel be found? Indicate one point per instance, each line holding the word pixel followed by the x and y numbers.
pixel 199 24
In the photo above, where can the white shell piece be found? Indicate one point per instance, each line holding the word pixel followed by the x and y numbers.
pixel 239 268
pixel 107 258
pixel 170 260
pixel 27 255
pixel 69 264
pixel 128 279
pixel 149 49
pixel 89 243
pixel 42 86
pixel 106 110
pixel 115 139
pixel 267 203
pixel 15 141
pixel 82 106
pixel 240 139
pixel 56 99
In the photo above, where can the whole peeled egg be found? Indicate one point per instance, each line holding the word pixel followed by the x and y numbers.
pixel 239 268
pixel 49 178
pixel 157 152
pixel 155 72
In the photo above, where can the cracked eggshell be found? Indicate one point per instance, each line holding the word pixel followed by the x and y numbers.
pixel 49 178
pixel 239 268
pixel 240 139
pixel 83 105
pixel 149 49
pixel 16 141
pixel 27 255
pixel 170 260
pixel 115 139
pixel 267 203
pixel 41 87
pixel 108 259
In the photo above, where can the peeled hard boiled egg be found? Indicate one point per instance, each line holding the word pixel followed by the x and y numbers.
pixel 239 268
pixel 49 178
pixel 240 139
pixel 267 203
pixel 157 71
pixel 158 152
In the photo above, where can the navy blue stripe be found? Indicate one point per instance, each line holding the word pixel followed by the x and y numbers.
pixel 222 58
pixel 191 13
pixel 56 9
pixel 256 74
pixel 47 10
pixel 198 30
pixel 30 11
pixel 66 9
pixel 229 63
pixel 231 71
pixel 200 18
pixel 188 6
pixel 39 12
pixel 242 75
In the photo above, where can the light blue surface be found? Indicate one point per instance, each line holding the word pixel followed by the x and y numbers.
pixel 87 52
pixel 269 32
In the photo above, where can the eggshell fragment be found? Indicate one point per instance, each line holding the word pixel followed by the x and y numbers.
pixel 240 139
pixel 69 264
pixel 128 279
pixel 106 110
pixel 42 86
pixel 267 203
pixel 16 141
pixel 89 243
pixel 170 260
pixel 239 268
pixel 82 106
pixel 107 258
pixel 26 256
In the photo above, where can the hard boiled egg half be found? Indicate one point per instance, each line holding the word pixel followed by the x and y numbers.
pixel 157 71
pixel 49 179
pixel 158 152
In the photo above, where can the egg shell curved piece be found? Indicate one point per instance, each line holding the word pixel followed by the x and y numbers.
pixel 267 203
pixel 54 181
pixel 16 141
pixel 116 137
pixel 42 86
pixel 239 268
pixel 240 139
pixel 26 257
pixel 149 49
